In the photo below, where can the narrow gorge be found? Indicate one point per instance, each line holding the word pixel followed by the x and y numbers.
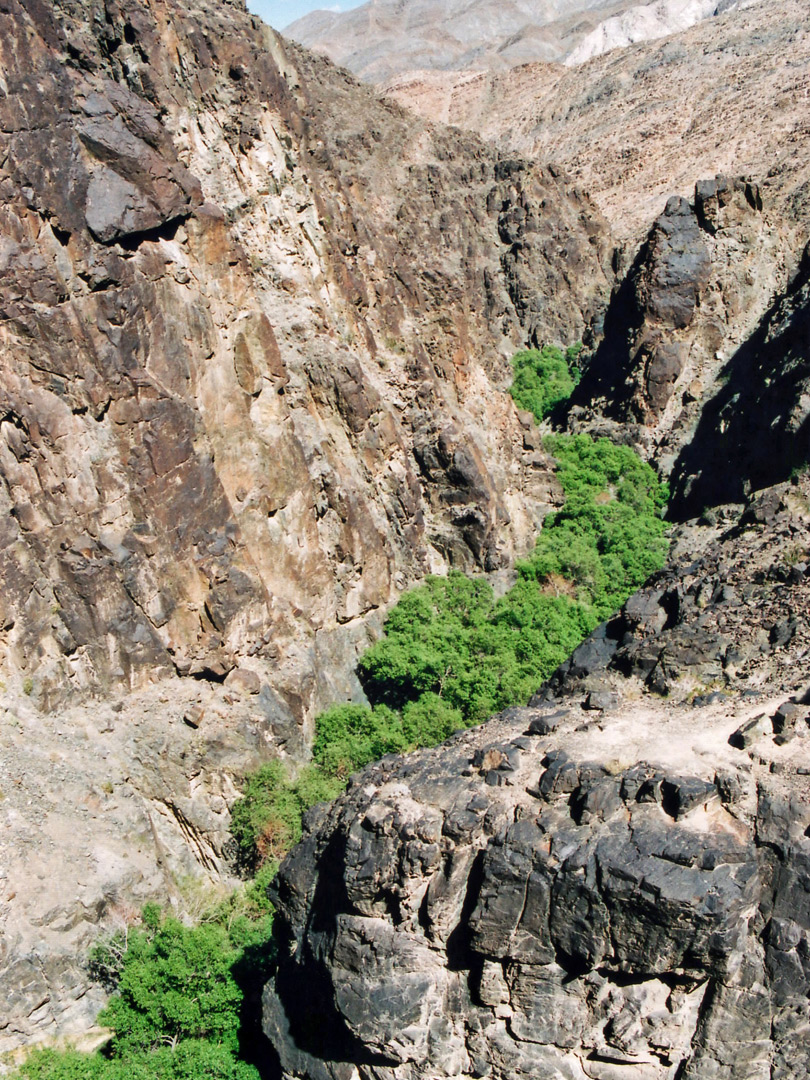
pixel 256 329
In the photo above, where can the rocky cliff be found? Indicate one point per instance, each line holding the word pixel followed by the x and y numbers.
pixel 243 399
pixel 254 329
pixel 609 883
pixel 700 292
pixel 254 335
pixel 612 882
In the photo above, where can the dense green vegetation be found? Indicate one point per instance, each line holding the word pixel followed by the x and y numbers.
pixel 450 638
pixel 609 536
pixel 544 378
pixel 184 997
pixel 266 821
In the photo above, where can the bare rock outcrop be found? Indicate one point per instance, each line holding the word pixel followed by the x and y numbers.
pixel 687 308
pixel 608 883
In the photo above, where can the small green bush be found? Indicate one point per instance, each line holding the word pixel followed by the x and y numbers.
pixel 191 1060
pixel 430 720
pixel 178 1010
pixel 347 737
pixel 544 378
pixel 266 820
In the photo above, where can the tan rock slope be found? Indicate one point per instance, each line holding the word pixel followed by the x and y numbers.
pixel 642 123
pixel 383 38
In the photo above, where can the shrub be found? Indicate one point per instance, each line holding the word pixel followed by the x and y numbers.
pixel 347 737
pixel 430 720
pixel 426 648
pixel 176 983
pixel 266 820
pixel 191 1060
pixel 266 815
pixel 609 536
pixel 544 378
pixel 178 1011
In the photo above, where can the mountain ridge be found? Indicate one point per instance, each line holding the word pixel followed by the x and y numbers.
pixel 384 38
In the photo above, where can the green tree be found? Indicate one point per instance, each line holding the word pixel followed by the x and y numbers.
pixel 176 983
pixel 347 737
pixel 543 378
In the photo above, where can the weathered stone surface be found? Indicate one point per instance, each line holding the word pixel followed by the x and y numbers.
pixel 759 416
pixel 636 125
pixel 580 925
pixel 210 368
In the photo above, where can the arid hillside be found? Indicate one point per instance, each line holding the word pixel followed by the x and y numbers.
pixel 384 38
pixel 639 124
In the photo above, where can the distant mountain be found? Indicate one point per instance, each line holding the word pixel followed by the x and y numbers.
pixel 383 38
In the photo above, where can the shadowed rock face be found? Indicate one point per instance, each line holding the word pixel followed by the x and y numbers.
pixel 607 883
pixel 760 416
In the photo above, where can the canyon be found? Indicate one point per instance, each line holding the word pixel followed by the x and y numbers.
pixel 256 321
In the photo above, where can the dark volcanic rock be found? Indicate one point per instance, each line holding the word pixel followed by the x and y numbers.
pixel 449 928
pixel 758 423
pixel 644 351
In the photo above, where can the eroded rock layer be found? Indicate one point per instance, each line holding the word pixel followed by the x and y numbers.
pixel 253 325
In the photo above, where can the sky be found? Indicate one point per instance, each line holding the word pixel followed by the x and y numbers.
pixel 280 13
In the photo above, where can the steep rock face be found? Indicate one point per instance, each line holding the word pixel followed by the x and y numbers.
pixel 760 416
pixel 254 330
pixel 696 126
pixel 229 349
pixel 690 302
pixel 604 884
